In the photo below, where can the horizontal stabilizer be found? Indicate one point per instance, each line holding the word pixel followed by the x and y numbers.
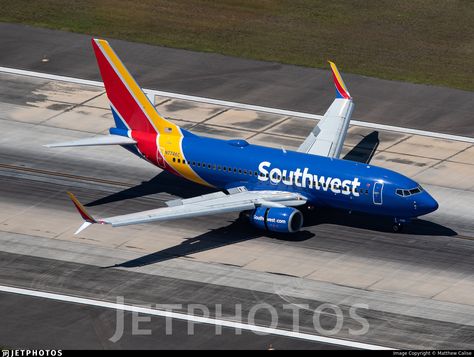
pixel 98 140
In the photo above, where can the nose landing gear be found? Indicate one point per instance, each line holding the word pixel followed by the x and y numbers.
pixel 398 224
pixel 397 227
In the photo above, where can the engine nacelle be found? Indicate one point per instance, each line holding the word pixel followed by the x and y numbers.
pixel 275 219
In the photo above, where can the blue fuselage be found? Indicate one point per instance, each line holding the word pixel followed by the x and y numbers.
pixel 323 181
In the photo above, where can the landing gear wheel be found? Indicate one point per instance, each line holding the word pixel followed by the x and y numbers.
pixel 397 227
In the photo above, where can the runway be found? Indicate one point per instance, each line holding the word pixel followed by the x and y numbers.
pixel 97 328
pixel 417 286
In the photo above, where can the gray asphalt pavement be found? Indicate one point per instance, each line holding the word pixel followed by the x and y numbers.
pixel 63 325
pixel 145 289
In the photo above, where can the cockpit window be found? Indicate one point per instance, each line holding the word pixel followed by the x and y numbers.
pixel 406 193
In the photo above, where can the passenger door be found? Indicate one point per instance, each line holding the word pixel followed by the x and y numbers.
pixel 377 196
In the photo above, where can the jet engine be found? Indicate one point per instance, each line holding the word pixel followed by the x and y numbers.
pixel 276 219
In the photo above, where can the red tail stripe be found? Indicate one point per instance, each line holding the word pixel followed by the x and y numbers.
pixel 119 95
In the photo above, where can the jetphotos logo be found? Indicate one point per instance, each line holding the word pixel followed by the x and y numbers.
pixel 32 353
pixel 303 178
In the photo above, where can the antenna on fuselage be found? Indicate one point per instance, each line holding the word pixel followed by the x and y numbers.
pixel 283 149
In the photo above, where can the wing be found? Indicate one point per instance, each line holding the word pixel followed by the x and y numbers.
pixel 327 138
pixel 238 199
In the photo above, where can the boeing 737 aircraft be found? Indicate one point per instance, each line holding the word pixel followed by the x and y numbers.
pixel 266 184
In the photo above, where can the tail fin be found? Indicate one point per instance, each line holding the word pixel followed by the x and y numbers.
pixel 131 108
pixel 341 89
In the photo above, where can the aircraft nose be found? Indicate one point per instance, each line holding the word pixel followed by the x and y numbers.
pixel 428 204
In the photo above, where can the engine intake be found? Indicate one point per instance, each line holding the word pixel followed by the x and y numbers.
pixel 275 219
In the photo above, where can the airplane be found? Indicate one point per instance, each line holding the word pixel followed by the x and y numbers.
pixel 265 185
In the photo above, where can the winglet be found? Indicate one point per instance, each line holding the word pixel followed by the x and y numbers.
pixel 341 89
pixel 82 211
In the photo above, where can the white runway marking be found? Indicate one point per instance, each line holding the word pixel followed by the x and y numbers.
pixel 242 106
pixel 192 318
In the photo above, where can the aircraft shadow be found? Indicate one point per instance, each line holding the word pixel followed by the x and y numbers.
pixel 240 231
pixel 163 182
pixel 374 223
pixel 365 149
pixel 235 232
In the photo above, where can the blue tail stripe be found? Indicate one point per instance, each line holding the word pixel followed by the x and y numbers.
pixel 119 123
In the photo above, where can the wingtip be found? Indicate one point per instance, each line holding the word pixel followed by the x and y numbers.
pixel 341 89
pixel 82 227
pixel 81 209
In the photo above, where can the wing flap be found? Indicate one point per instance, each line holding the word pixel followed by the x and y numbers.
pixel 178 212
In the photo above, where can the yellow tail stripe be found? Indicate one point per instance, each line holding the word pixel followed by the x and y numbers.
pixel 172 149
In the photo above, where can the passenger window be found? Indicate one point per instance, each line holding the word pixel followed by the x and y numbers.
pixel 219 168
pixel 174 159
pixel 199 164
pixel 235 170
pixel 194 163
pixel 245 172
pixel 179 161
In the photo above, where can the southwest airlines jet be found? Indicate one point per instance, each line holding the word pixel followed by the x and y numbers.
pixel 266 185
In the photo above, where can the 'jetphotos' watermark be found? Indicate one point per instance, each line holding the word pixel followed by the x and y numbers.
pixel 327 319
